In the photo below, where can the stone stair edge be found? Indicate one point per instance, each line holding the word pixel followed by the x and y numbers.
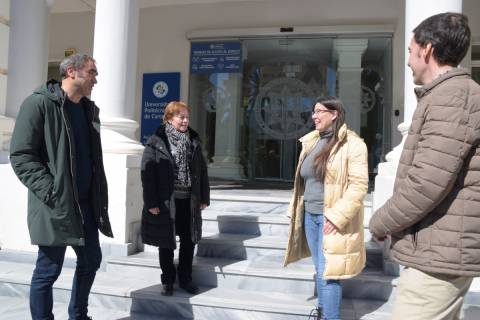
pixel 290 272
pixel 249 198
pixel 273 218
pixel 239 197
pixel 255 268
pixel 264 241
pixel 137 288
pixel 229 266
pixel 254 217
pixel 295 304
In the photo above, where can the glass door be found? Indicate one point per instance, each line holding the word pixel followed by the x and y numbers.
pixel 282 77
pixel 250 119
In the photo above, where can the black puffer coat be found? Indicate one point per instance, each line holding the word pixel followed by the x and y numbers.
pixel 157 182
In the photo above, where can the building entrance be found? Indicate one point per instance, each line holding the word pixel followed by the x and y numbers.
pixel 251 120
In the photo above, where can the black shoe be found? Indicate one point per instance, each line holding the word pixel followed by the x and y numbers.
pixel 83 318
pixel 167 289
pixel 315 314
pixel 190 287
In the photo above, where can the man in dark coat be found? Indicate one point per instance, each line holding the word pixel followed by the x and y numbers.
pixel 56 153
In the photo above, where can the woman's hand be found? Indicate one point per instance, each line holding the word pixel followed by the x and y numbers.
pixel 328 227
pixel 154 211
pixel 203 206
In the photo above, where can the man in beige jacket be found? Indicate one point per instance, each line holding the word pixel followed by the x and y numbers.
pixel 433 216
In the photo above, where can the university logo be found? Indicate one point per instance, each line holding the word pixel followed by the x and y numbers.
pixel 160 89
pixel 283 108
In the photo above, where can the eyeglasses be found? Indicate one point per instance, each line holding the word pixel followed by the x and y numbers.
pixel 320 111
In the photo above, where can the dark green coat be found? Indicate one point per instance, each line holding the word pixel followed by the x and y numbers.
pixel 43 157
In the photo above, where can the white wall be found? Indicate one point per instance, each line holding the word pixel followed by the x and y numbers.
pixel 71 30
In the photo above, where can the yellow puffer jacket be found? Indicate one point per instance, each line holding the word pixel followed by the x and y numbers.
pixel 346 185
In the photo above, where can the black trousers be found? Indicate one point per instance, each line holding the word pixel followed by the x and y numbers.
pixel 185 257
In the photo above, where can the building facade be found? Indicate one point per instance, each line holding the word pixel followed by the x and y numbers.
pixel 250 70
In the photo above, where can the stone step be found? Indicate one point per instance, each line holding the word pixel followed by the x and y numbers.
pixel 252 223
pixel 274 196
pixel 129 294
pixel 218 220
pixel 235 207
pixel 248 247
pixel 141 299
pixel 15 308
pixel 255 212
pixel 259 275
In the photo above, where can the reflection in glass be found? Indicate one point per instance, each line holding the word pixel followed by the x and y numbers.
pixel 271 100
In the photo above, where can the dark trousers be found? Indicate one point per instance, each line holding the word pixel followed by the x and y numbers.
pixel 49 265
pixel 185 257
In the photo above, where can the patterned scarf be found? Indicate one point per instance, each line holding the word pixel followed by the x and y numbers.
pixel 180 145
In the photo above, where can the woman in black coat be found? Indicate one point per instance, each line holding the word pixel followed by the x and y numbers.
pixel 175 190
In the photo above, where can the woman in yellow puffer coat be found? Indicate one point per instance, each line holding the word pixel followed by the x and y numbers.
pixel 326 208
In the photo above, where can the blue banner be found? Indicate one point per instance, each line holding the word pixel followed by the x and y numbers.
pixel 158 90
pixel 216 57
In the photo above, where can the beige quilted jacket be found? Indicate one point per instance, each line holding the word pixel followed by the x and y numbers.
pixel 345 187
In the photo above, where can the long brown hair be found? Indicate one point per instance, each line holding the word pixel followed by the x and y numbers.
pixel 334 104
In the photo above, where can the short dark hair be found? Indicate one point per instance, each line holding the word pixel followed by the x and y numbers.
pixel 77 61
pixel 449 35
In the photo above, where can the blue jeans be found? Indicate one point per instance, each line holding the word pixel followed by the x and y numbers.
pixel 329 292
pixel 49 265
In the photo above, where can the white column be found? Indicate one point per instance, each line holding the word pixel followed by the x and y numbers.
pixel 24 35
pixel 24 40
pixel 349 52
pixel 226 163
pixel 28 53
pixel 6 124
pixel 115 51
pixel 4 36
pixel 415 12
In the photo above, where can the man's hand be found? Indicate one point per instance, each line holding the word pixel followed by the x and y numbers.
pixel 203 206
pixel 154 211
pixel 328 227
